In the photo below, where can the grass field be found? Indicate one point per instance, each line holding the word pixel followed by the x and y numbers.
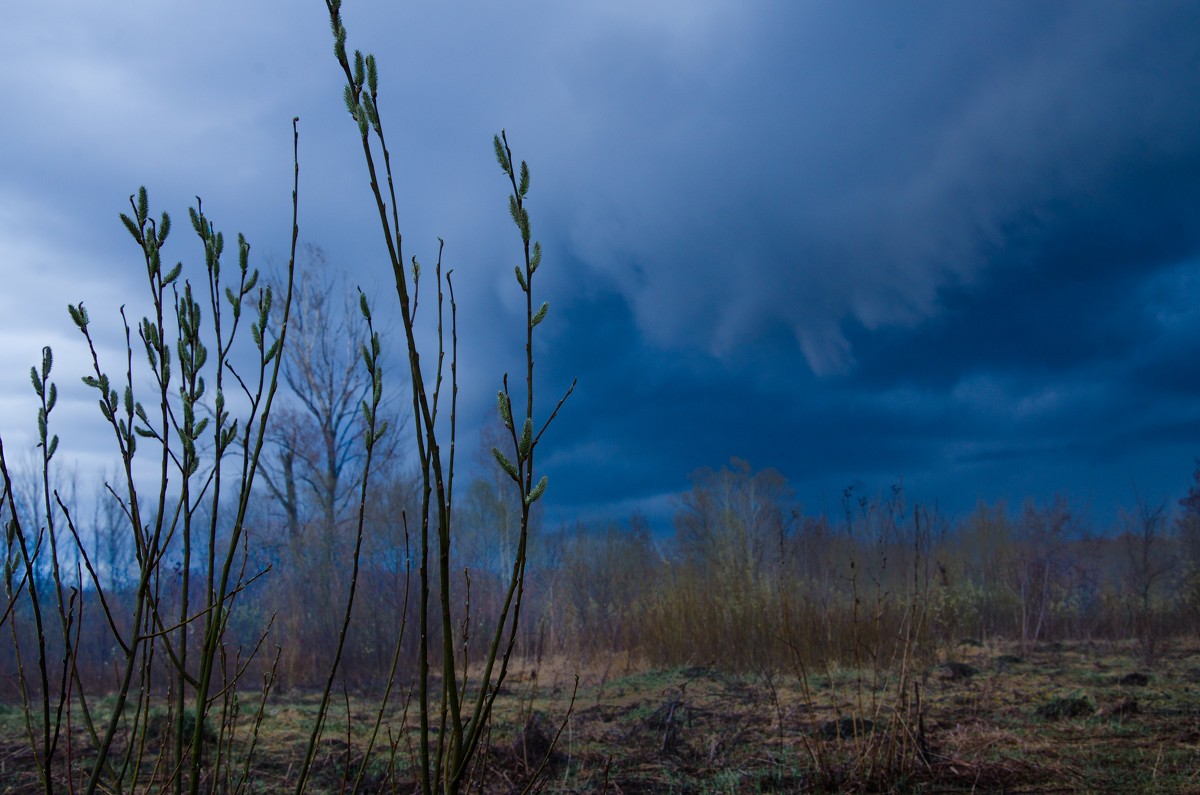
pixel 1066 718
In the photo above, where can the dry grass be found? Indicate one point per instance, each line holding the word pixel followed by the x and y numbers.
pixel 698 730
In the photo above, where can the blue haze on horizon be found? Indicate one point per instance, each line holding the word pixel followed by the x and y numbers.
pixel 957 243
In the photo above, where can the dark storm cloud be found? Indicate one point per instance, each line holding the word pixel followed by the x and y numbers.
pixel 958 242
pixel 851 165
pixel 971 223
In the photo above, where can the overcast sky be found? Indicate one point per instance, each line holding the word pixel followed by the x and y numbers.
pixel 957 243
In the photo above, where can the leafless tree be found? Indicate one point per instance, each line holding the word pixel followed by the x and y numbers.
pixel 734 520
pixel 111 536
pixel 314 469
pixel 1188 522
pixel 489 524
pixel 1149 562
pixel 1148 557
pixel 1042 565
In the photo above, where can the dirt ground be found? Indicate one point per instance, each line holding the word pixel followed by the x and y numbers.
pixel 1062 718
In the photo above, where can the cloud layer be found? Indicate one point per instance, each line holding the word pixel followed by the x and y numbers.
pixel 955 242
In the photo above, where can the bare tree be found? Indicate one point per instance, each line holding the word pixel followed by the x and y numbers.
pixel 1188 522
pixel 734 520
pixel 606 573
pixel 314 469
pixel 114 551
pixel 314 466
pixel 1148 561
pixel 488 530
pixel 1042 564
pixel 1187 526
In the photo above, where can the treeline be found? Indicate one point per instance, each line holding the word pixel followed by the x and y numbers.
pixel 747 581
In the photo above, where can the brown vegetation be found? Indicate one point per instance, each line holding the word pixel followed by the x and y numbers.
pixel 699 729
pixel 793 651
